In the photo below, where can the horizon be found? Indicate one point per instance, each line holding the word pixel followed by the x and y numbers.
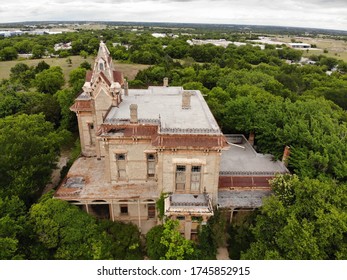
pixel 317 14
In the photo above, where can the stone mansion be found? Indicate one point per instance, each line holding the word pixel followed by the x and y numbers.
pixel 139 145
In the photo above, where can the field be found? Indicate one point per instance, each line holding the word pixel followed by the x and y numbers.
pixel 129 70
pixel 335 48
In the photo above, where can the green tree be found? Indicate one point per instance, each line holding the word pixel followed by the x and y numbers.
pixel 124 242
pixel 8 53
pixel 28 150
pixel 177 247
pixel 12 227
pixel 155 249
pixel 50 80
pixel 77 79
pixel 305 219
pixel 68 232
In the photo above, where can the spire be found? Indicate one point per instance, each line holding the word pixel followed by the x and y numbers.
pixel 103 63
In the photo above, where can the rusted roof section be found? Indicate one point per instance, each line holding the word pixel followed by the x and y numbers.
pixel 128 130
pixel 89 75
pixel 118 77
pixel 81 105
pixel 243 181
pixel 86 181
pixel 195 141
pixel 103 76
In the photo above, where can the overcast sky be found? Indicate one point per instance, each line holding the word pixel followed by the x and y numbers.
pixel 330 14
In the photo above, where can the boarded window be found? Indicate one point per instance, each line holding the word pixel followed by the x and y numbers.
pixel 195 178
pixel 180 177
pixel 151 211
pixel 150 165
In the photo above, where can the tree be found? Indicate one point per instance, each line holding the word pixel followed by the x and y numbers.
pixel 304 219
pixel 42 65
pixel 38 51
pixel 8 53
pixel 66 231
pixel 28 150
pixel 155 249
pixel 123 239
pixel 77 79
pixel 177 247
pixel 50 80
pixel 12 227
pixel 22 73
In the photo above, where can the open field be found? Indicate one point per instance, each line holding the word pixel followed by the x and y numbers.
pixel 129 70
pixel 335 48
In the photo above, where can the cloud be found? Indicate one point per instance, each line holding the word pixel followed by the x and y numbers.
pixel 306 13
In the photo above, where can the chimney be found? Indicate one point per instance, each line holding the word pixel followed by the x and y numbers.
pixel 186 100
pixel 286 154
pixel 126 88
pixel 251 138
pixel 133 113
pixel 166 82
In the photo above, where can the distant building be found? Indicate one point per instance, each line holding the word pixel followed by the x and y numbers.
pixel 299 45
pixel 63 46
pixel 138 144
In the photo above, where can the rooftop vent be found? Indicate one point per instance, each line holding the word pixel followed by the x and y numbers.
pixel 166 82
pixel 186 100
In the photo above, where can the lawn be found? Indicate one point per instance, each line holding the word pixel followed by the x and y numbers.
pixel 129 70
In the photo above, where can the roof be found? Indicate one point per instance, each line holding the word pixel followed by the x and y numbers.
pixel 81 105
pixel 164 105
pixel 242 198
pixel 242 159
pixel 86 181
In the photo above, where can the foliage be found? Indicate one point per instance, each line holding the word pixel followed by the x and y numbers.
pixel 155 249
pixel 177 247
pixel 66 231
pixel 50 80
pixel 12 224
pixel 124 240
pixel 313 225
pixel 28 150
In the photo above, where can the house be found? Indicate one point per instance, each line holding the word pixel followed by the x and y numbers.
pixel 161 143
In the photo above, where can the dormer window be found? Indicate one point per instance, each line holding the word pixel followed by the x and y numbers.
pixel 101 66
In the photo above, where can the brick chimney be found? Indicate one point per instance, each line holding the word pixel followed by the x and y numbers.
pixel 166 82
pixel 186 100
pixel 286 154
pixel 133 113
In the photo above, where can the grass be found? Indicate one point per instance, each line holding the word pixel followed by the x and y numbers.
pixel 129 70
pixel 336 48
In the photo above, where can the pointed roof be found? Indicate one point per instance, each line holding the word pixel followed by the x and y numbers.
pixel 103 63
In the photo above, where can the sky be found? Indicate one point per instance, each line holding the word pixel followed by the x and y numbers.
pixel 327 14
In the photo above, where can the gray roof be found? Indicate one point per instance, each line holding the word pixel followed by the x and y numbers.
pixel 242 198
pixel 164 104
pixel 242 159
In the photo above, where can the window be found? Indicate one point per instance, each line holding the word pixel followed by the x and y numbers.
pixel 101 66
pixel 121 165
pixel 195 178
pixel 91 133
pixel 151 211
pixel 150 165
pixel 124 209
pixel 180 177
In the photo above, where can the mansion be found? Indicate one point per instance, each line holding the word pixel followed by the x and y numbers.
pixel 161 143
